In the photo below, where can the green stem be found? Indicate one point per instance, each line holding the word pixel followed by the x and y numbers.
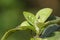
pixel 57 21
pixel 8 33
pixel 36 28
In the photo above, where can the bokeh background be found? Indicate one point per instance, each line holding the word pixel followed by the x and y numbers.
pixel 11 14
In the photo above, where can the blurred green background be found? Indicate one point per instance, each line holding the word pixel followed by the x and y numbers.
pixel 11 14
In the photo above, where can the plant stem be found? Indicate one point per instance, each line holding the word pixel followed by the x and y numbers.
pixel 57 21
pixel 36 28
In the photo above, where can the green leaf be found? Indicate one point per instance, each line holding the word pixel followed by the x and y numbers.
pixel 41 27
pixel 25 25
pixel 43 14
pixel 32 39
pixel 49 30
pixel 29 17
pixel 55 37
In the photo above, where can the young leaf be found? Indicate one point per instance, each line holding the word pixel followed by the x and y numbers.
pixel 29 17
pixel 25 25
pixel 41 27
pixel 43 14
